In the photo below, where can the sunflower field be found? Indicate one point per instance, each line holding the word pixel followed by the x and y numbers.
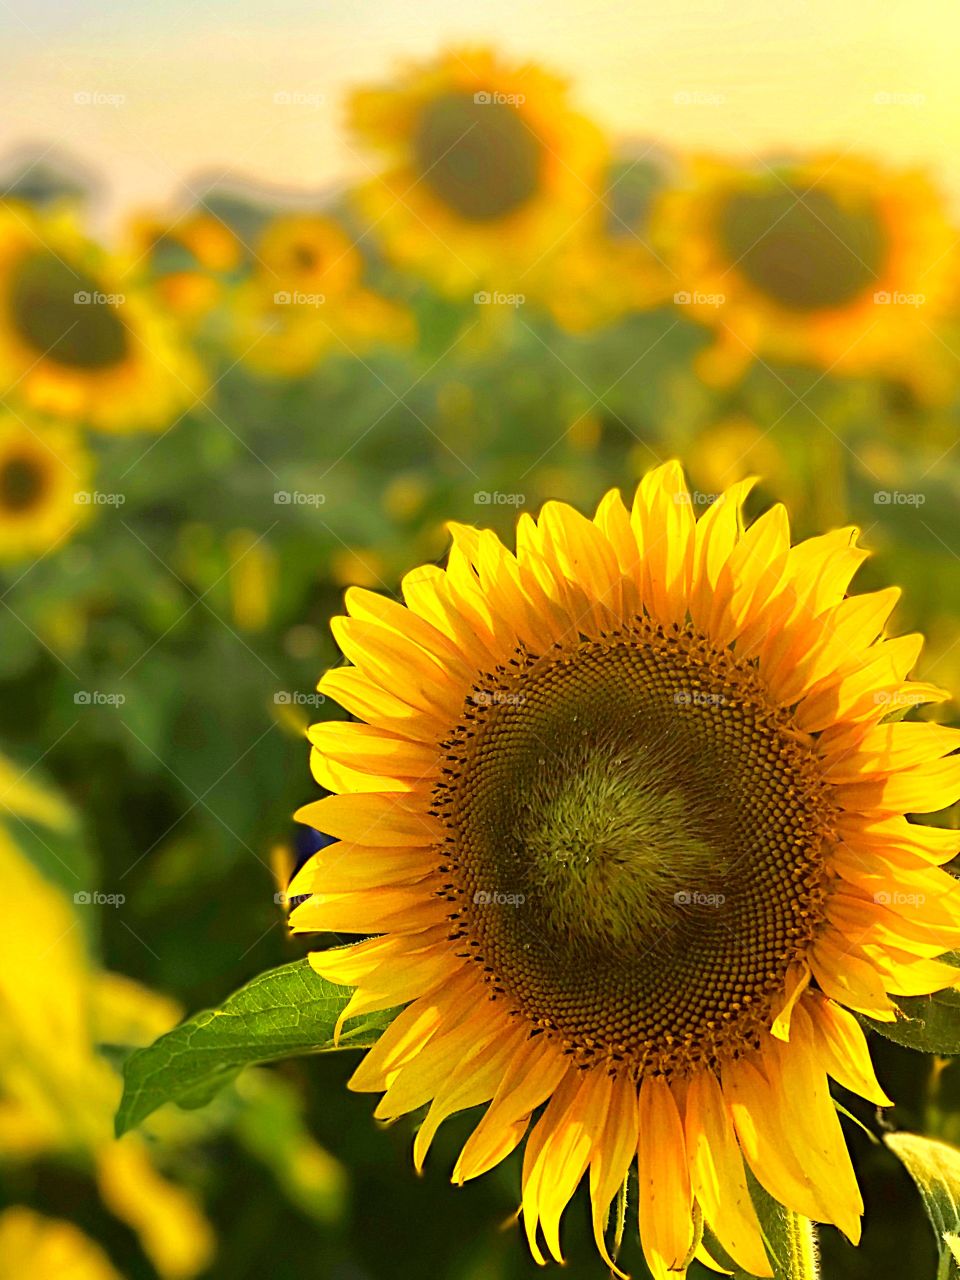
pixel 621 870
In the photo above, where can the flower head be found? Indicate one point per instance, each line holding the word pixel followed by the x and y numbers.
pixel 78 340
pixel 488 168
pixel 830 261
pixel 626 812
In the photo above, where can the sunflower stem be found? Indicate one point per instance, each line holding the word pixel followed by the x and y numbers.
pixel 791 1239
pixel 803 1255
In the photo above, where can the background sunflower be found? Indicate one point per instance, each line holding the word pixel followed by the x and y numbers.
pixel 44 473
pixel 76 339
pixel 826 260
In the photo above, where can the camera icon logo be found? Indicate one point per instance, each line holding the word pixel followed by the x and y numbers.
pixel 482 98
pixel 82 898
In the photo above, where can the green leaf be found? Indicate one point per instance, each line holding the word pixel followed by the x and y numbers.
pixel 935 1168
pixel 280 1014
pixel 931 1024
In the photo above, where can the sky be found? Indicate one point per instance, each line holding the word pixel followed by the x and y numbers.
pixel 148 96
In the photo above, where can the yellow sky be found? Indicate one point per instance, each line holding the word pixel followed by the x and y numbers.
pixel 147 96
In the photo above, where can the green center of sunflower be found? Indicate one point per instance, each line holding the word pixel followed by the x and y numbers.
pixel 21 484
pixel 56 310
pixel 478 158
pixel 803 249
pixel 634 846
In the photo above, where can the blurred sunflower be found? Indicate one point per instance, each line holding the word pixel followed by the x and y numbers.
pixel 58 1094
pixel 831 261
pixel 43 477
pixel 311 253
pixel 488 168
pixel 75 340
pixel 306 298
pixel 595 278
pixel 606 267
pixel 628 816
pixel 48 1249
pixel 188 257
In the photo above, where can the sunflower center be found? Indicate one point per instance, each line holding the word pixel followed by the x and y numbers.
pixel 479 158
pixel 304 256
pixel 634 845
pixel 803 249
pixel 56 311
pixel 21 484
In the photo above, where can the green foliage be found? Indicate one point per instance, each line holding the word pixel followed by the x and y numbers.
pixel 935 1168
pixel 280 1013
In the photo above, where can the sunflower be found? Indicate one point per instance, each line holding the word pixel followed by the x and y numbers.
pixel 606 267
pixel 43 488
pixel 310 253
pixel 48 1249
pixel 307 298
pixel 625 815
pixel 188 257
pixel 488 168
pixel 76 341
pixel 829 261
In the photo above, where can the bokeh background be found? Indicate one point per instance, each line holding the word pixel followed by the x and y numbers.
pixel 282 289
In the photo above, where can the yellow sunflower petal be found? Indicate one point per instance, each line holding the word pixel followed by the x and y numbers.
pixel 717 1175
pixel 663 1179
pixel 843 1050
